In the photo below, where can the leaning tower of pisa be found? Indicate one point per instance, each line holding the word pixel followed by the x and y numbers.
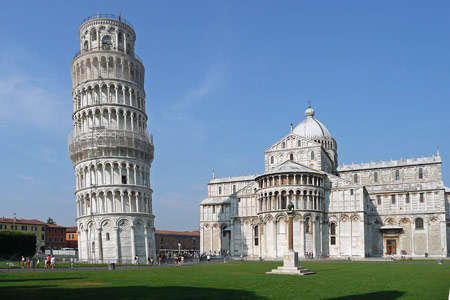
pixel 110 147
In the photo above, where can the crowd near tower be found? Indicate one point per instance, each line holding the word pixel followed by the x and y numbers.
pixel 110 147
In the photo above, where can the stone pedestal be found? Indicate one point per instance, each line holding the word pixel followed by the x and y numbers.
pixel 290 266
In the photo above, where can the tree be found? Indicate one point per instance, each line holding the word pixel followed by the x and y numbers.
pixel 16 244
pixel 50 221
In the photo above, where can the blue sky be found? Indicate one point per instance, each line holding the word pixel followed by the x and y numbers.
pixel 224 79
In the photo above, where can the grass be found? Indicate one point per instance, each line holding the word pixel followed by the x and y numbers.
pixel 247 280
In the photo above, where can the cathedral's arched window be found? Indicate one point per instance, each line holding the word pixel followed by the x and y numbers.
pixel 375 176
pixel 107 236
pixel 86 45
pixel 355 178
pixel 283 201
pixel 333 233
pixel 283 145
pixel 419 223
pixel 332 228
pixel 393 199
pixel 397 175
pixel 220 190
pixel 420 173
pixel 272 160
pixel 234 188
pixel 421 199
pixel 291 156
pixel 299 143
pixel 312 155
pixel 256 235
pixel 407 198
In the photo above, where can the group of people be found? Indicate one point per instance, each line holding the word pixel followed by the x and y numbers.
pixel 49 262
pixel 180 260
pixel 23 262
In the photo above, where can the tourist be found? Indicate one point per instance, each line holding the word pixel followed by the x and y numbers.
pixel 47 262
pixel 22 261
pixel 37 263
pixel 52 262
pixel 159 261
pixel 151 260
pixel 136 259
pixel 71 262
pixel 28 262
pixel 208 258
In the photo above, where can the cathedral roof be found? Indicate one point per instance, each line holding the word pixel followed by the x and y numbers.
pixel 232 179
pixel 311 127
pixel 292 167
pixel 215 200
pixel 391 164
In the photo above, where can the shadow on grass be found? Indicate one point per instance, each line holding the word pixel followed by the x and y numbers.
pixel 385 295
pixel 95 290
pixel 38 279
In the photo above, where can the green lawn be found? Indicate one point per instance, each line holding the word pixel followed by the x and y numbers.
pixel 349 281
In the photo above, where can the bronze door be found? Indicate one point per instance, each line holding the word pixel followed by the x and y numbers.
pixel 391 247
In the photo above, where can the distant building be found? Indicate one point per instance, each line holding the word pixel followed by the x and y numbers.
pixel 32 226
pixel 71 237
pixel 55 237
pixel 168 240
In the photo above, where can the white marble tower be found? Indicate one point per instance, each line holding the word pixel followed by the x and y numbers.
pixel 110 147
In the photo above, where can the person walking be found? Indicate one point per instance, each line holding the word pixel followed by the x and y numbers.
pixel 37 263
pixel 52 262
pixel 151 260
pixel 22 261
pixel 28 262
pixel 71 262
pixel 159 261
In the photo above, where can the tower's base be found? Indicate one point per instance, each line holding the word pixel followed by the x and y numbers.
pixel 290 266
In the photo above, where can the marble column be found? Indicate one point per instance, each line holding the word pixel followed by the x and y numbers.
pixel 133 248
pixel 146 243
pixel 116 230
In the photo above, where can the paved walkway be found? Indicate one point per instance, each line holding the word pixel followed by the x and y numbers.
pixel 83 267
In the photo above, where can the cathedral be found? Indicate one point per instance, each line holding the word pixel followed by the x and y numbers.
pixel 397 207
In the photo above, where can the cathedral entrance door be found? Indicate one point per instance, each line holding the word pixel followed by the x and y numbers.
pixel 391 246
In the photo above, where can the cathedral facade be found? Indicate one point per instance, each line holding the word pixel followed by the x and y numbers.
pixel 372 209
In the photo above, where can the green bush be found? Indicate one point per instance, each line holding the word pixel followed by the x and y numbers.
pixel 15 244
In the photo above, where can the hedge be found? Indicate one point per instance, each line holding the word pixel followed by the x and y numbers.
pixel 16 244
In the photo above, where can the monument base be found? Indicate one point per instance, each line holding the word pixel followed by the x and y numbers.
pixel 290 266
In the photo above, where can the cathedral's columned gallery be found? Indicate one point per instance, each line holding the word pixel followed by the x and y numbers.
pixel 398 207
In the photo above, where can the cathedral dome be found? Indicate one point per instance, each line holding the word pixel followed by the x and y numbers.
pixel 311 127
